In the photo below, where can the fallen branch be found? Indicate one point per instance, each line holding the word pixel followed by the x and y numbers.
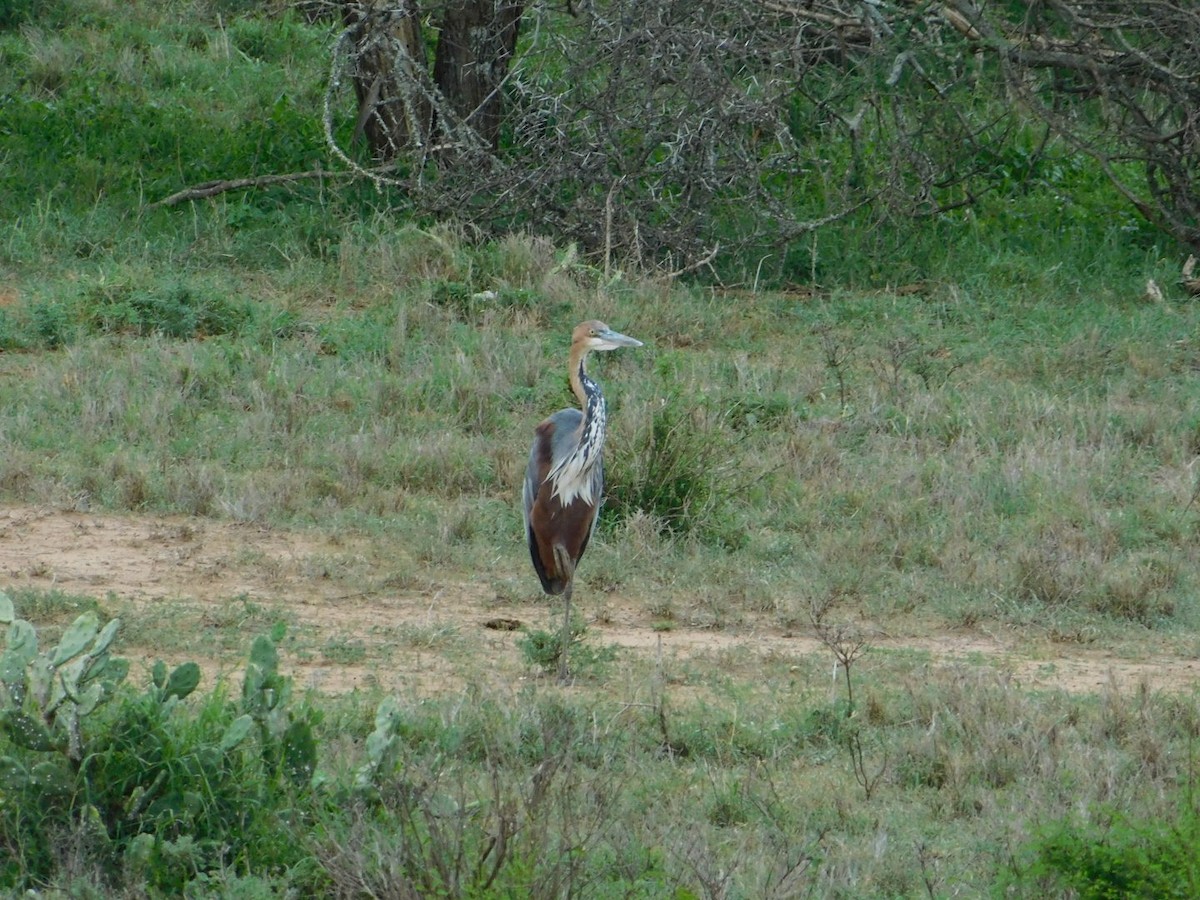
pixel 222 185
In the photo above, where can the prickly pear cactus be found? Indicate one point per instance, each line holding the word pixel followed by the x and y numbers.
pixel 381 744
pixel 45 694
pixel 288 742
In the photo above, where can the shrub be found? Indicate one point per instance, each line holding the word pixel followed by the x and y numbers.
pixel 138 783
pixel 179 309
pixel 677 470
pixel 542 650
pixel 1122 858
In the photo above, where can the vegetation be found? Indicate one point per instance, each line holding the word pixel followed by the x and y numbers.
pixel 690 134
pixel 980 423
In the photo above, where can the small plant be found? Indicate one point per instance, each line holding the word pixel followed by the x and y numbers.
pixel 678 471
pixel 845 641
pixel 177 309
pixel 382 745
pixel 141 784
pixel 848 642
pixel 287 741
pixel 837 351
pixel 542 649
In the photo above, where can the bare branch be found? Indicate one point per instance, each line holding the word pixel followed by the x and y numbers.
pixel 221 186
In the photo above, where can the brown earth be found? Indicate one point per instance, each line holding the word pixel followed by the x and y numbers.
pixel 186 570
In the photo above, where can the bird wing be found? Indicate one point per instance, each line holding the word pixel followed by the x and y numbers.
pixel 547 519
pixel 553 440
pixel 576 452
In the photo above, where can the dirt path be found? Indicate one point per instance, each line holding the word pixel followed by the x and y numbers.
pixel 192 569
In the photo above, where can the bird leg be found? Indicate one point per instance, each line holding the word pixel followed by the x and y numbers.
pixel 566 565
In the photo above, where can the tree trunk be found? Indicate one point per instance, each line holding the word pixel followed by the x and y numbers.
pixel 389 73
pixel 474 48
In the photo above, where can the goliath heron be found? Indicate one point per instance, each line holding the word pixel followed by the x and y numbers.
pixel 565 476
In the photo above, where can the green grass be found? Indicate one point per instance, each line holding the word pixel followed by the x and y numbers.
pixel 976 426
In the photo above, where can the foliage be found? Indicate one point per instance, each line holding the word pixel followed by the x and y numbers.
pixel 417 824
pixel 543 650
pixel 1115 86
pixel 139 782
pixel 1120 857
pixel 287 743
pixel 47 695
pixel 674 133
pixel 178 310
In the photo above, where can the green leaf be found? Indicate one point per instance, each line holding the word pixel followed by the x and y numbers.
pixel 26 731
pixel 22 640
pixel 114 671
pixel 52 775
pixel 387 714
pixel 93 667
pixel 92 824
pixel 12 671
pixel 105 638
pixel 76 638
pixel 299 751
pixel 237 732
pixel 140 852
pixel 184 679
pixel 7 613
pixel 89 699
pixel 40 679
pixel 378 744
pixel 193 802
pixel 13 776
pixel 69 677
pixel 264 655
pixel 252 686
pixel 159 673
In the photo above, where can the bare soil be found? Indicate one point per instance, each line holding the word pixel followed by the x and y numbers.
pixel 186 570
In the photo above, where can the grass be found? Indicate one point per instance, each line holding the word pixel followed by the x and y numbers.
pixel 1053 474
pixel 980 427
pixel 929 463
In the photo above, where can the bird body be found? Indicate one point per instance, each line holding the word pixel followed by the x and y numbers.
pixel 564 480
pixel 562 501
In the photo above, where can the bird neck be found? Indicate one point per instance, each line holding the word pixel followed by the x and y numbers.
pixel 573 475
pixel 579 377
pixel 591 399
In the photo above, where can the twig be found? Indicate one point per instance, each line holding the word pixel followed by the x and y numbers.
pixel 712 254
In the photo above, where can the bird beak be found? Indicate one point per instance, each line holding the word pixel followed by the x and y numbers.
pixel 614 339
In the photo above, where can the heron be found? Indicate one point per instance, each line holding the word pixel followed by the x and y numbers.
pixel 564 480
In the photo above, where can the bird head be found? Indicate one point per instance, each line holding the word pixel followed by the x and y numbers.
pixel 597 336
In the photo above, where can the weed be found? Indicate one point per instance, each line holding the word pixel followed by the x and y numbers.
pixel 51 607
pixel 343 651
pixel 542 650
pixel 433 636
pixel 178 309
pixel 676 470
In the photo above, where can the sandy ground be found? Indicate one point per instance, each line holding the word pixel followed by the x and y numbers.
pixel 191 568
